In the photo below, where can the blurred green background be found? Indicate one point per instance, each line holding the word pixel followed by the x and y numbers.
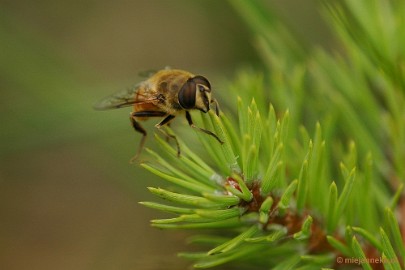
pixel 68 195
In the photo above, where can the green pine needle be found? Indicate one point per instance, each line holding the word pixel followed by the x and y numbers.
pixel 358 251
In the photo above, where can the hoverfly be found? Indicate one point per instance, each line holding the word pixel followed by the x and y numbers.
pixel 167 93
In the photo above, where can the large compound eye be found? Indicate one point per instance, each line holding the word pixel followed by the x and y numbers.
pixel 187 95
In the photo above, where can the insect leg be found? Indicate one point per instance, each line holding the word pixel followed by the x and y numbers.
pixel 137 126
pixel 166 121
pixel 190 122
pixel 139 129
pixel 216 106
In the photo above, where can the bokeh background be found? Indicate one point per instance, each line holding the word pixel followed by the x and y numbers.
pixel 68 195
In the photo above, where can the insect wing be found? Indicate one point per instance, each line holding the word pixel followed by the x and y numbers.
pixel 123 98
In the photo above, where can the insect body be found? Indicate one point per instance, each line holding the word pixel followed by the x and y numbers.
pixel 166 94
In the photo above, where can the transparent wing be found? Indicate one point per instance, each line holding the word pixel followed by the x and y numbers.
pixel 123 98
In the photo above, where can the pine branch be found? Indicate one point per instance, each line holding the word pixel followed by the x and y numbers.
pixel 260 211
